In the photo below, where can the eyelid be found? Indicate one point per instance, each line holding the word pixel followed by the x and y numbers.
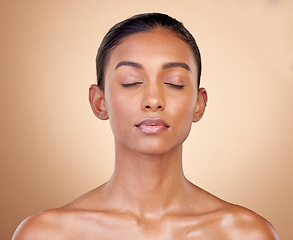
pixel 131 84
pixel 176 80
pixel 178 86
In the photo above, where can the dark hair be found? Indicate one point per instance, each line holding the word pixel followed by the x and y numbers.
pixel 142 23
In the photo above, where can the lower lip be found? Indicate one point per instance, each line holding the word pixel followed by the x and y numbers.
pixel 152 129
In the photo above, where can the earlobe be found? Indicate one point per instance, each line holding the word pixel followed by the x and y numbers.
pixel 97 102
pixel 202 99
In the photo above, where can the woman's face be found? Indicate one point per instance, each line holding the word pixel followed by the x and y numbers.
pixel 151 92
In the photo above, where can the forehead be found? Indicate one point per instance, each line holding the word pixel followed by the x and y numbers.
pixel 156 47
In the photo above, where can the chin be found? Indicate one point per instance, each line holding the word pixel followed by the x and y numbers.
pixel 157 149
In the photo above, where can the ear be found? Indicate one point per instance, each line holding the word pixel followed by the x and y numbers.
pixel 202 99
pixel 97 101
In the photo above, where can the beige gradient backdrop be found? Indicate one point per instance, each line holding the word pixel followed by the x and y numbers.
pixel 53 149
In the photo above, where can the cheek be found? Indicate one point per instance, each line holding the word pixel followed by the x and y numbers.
pixel 120 112
pixel 183 115
pixel 184 107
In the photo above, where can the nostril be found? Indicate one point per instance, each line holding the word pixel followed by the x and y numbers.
pixel 149 107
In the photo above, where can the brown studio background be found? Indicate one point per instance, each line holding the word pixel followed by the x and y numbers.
pixel 53 149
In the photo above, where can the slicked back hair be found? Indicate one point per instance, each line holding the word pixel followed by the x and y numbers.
pixel 142 23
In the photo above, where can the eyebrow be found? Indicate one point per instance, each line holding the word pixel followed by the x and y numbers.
pixel 165 66
pixel 129 63
pixel 176 64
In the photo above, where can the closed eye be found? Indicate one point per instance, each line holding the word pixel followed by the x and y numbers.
pixel 175 85
pixel 126 85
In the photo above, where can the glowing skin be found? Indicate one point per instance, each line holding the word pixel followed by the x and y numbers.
pixel 144 80
pixel 151 99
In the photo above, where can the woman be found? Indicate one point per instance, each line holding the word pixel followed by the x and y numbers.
pixel 148 71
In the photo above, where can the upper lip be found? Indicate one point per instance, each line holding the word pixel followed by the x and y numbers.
pixel 152 122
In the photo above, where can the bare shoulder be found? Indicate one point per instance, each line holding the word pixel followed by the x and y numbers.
pixel 43 225
pixel 241 223
pixel 229 221
pixel 61 223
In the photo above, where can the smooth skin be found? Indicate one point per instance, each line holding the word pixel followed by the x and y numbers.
pixel 150 75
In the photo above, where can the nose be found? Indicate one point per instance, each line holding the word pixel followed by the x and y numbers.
pixel 153 99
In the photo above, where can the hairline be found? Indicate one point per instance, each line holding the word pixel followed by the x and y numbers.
pixel 157 27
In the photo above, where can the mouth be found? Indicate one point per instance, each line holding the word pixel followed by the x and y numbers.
pixel 152 126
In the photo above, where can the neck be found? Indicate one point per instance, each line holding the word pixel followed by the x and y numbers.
pixel 148 184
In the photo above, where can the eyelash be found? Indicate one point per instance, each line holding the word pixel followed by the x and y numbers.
pixel 175 85
pixel 127 85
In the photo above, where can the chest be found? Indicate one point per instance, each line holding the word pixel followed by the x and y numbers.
pixel 147 230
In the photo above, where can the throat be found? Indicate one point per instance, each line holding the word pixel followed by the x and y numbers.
pixel 148 190
pixel 147 184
